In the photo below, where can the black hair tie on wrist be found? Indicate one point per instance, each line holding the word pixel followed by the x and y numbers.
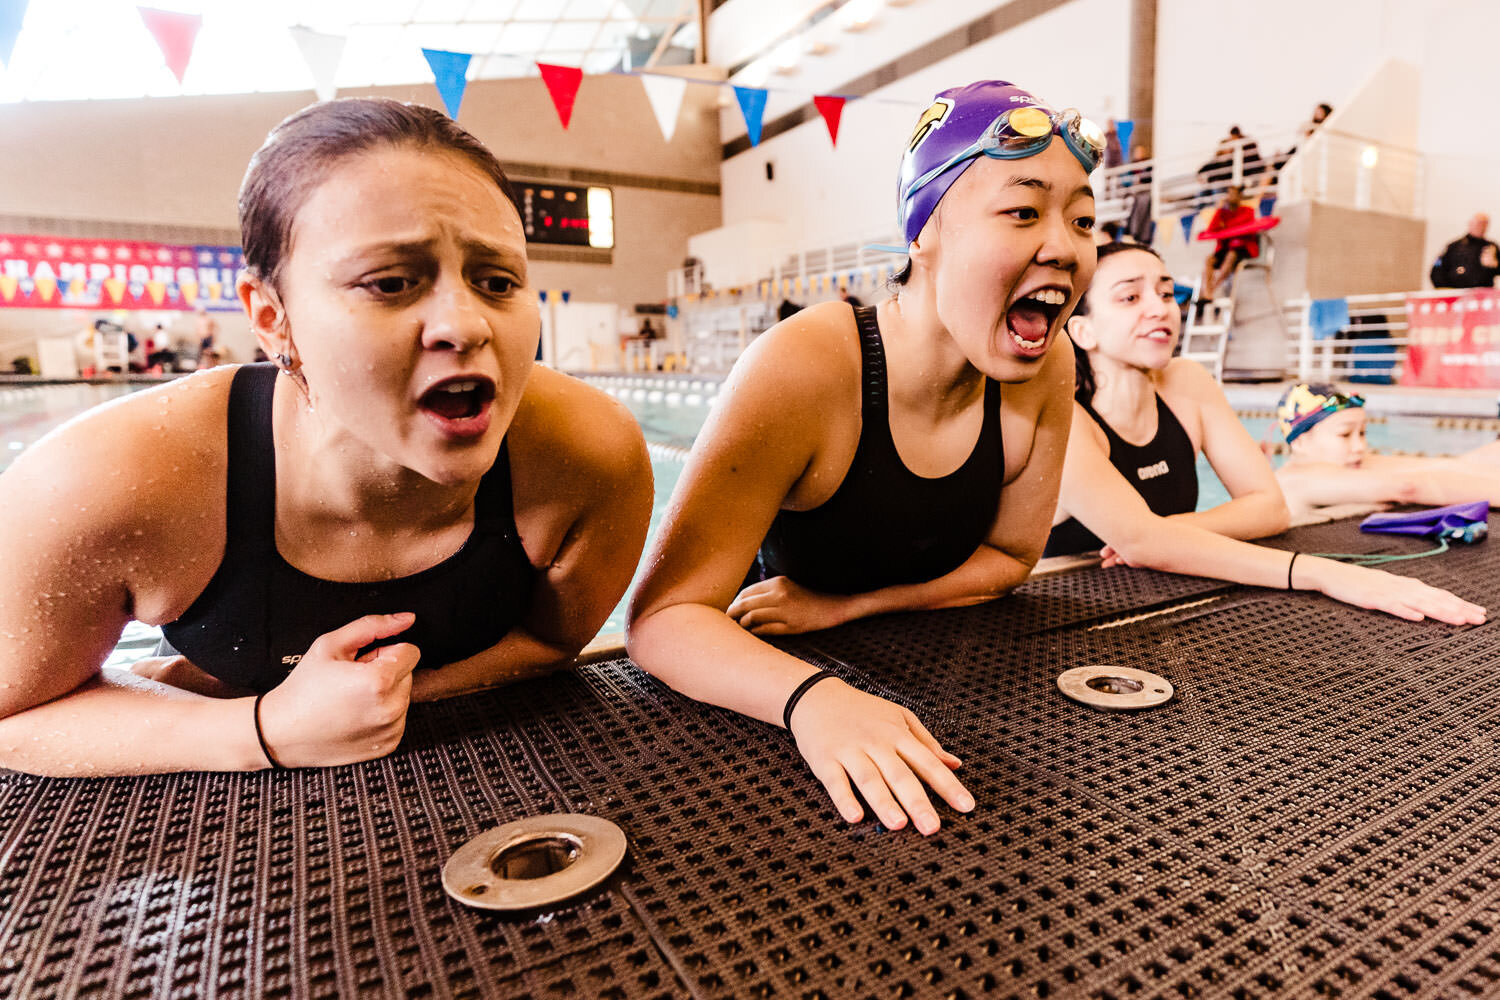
pixel 802 689
pixel 1289 570
pixel 264 747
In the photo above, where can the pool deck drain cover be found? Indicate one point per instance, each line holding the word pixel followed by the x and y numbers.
pixel 535 862
pixel 1115 689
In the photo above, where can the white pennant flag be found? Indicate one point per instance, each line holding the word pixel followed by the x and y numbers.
pixel 322 53
pixel 665 94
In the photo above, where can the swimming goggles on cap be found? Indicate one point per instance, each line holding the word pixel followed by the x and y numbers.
pixel 1305 421
pixel 1021 132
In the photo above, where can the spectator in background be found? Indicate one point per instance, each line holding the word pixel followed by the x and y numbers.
pixel 1228 253
pixel 1113 154
pixel 1139 225
pixel 1471 261
pixel 1220 169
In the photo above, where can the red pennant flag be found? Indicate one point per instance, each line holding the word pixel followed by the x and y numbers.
pixel 175 34
pixel 562 83
pixel 831 108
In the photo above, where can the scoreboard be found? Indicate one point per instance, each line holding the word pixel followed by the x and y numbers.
pixel 568 215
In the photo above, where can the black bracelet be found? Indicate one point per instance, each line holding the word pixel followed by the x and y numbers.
pixel 802 689
pixel 1289 570
pixel 264 747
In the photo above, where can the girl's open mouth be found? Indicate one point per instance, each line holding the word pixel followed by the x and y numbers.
pixel 460 406
pixel 1030 320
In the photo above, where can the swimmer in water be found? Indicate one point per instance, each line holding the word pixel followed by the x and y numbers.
pixel 1129 485
pixel 402 489
pixel 897 457
pixel 1329 461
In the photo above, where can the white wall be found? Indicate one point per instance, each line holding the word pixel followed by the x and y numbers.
pixel 1461 78
pixel 825 196
pixel 1265 66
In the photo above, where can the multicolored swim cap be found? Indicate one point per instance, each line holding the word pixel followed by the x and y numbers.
pixel 954 125
pixel 1305 404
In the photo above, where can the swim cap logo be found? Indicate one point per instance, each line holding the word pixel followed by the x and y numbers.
pixel 937 112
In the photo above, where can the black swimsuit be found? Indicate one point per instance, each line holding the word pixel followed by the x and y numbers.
pixel 259 614
pixel 886 525
pixel 1164 471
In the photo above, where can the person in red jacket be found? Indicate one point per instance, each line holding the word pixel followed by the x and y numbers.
pixel 1231 214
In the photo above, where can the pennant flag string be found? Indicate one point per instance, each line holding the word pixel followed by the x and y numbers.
pixel 665 94
pixel 449 69
pixel 832 109
pixel 12 13
pixel 322 53
pixel 753 107
pixel 174 33
pixel 562 83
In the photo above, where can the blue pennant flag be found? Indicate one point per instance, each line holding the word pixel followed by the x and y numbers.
pixel 566 295
pixel 543 295
pixel 449 68
pixel 12 13
pixel 1124 129
pixel 753 107
pixel 1187 227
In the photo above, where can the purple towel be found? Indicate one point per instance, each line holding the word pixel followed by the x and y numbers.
pixel 1429 523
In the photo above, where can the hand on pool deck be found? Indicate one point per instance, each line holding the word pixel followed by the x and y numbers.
pixel 847 735
pixel 1378 590
pixel 780 607
pixel 337 707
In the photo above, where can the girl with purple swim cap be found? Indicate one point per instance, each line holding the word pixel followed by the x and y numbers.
pixel 898 457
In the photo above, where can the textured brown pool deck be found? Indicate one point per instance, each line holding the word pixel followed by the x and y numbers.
pixel 1317 812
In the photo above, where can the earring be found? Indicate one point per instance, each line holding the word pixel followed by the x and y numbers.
pixel 284 361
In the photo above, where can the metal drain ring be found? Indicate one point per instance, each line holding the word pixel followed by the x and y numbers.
pixel 1140 688
pixel 470 876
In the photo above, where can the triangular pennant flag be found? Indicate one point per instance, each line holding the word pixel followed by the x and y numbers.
pixel 753 107
pixel 665 94
pixel 1187 227
pixel 12 13
pixel 322 53
pixel 47 288
pixel 189 290
pixel 566 295
pixel 832 109
pixel 214 290
pixel 7 287
pixel 76 288
pixel 116 289
pixel 449 69
pixel 158 290
pixel 174 33
pixel 543 294
pixel 562 83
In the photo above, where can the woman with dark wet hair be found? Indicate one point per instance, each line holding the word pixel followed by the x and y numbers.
pixel 401 490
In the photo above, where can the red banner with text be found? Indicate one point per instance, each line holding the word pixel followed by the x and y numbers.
pixel 47 272
pixel 1453 340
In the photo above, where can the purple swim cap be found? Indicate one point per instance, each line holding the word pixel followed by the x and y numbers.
pixel 954 120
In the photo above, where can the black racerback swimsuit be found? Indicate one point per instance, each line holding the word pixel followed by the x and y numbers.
pixel 886 525
pixel 1164 471
pixel 258 615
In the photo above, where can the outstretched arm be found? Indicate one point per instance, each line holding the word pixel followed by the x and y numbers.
pixel 1095 493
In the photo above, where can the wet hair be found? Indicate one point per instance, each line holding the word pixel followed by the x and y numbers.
pixel 302 151
pixel 1084 385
